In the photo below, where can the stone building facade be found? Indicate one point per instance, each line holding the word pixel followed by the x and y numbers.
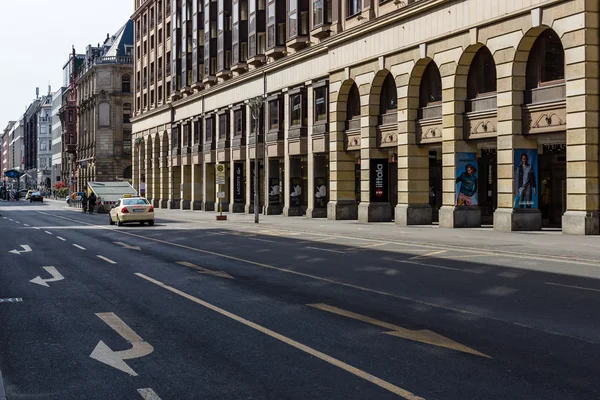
pixel 104 103
pixel 462 112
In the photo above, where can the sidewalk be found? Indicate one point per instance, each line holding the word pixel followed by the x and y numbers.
pixel 545 243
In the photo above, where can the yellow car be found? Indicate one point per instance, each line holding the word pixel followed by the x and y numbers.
pixel 132 209
pixel 28 195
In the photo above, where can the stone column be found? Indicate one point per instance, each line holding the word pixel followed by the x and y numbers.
pixel 310 206
pixel 582 80
pixel 208 195
pixel 164 170
pixel 186 187
pixel 286 157
pixel 156 181
pixel 342 201
pixel 510 95
pixel 148 167
pixel 454 90
pixel 135 167
pixel 370 211
pixel 196 186
pixel 142 166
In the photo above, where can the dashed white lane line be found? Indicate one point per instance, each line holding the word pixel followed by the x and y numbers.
pixel 37 228
pixel 2 392
pixel 321 249
pixel 10 219
pixel 25 224
pixel 60 238
pixel 573 287
pixel 148 394
pixel 5 217
pixel 17 222
pixel 79 247
pixel 108 260
pixel 261 240
pixel 49 233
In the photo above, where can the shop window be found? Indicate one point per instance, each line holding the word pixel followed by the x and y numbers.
pixel 127 113
pixel 223 127
pixel 482 75
pixel 320 104
pixel 238 122
pixel 430 93
pixel 546 63
pixel 353 106
pixel 274 115
pixel 388 99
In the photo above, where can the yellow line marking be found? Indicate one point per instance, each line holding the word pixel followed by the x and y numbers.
pixel 309 350
pixel 422 335
pixel 366 246
pixel 428 254
pixel 205 271
pixel 322 249
pixel 572 287
pixel 431 265
pixel 344 284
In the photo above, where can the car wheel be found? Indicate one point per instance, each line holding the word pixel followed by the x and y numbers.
pixel 111 221
pixel 142 223
pixel 151 223
pixel 120 223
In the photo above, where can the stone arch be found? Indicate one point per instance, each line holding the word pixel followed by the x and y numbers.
pixel 128 173
pixel 519 70
pixel 342 100
pixel 382 77
pixel 465 70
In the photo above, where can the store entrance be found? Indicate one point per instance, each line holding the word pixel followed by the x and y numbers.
pixel 488 197
pixel 435 184
pixel 552 184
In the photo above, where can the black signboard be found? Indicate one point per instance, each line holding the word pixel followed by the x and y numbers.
pixel 379 180
pixel 295 192
pixel 321 193
pixel 238 183
pixel 274 190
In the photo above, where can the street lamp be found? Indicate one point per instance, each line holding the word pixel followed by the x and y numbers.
pixel 255 107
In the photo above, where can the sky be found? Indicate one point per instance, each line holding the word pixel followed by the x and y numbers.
pixel 37 39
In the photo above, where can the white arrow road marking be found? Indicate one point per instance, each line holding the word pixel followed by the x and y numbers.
pixel 26 249
pixel 115 359
pixel 205 271
pixel 148 394
pixel 12 300
pixel 56 276
pixel 108 260
pixel 126 246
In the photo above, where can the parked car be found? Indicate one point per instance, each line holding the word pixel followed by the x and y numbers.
pixel 35 196
pixel 132 209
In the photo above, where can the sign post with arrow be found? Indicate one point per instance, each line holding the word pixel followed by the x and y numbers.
pixel 26 249
pixel 116 359
pixel 56 276
pixel 421 335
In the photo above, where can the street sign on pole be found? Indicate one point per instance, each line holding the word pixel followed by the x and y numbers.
pixel 220 174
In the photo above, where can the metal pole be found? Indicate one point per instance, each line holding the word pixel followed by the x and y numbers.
pixel 257 121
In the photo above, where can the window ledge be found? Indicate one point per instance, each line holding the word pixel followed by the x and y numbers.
pixel 321 31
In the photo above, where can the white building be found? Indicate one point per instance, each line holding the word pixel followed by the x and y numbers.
pixel 17 145
pixel 56 164
pixel 44 142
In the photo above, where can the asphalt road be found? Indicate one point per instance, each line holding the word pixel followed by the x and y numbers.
pixel 185 310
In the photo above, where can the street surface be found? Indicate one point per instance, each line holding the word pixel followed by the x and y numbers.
pixel 192 308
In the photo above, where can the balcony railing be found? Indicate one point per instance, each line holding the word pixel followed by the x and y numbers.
pixel 168 72
pixel 160 73
pixel 152 23
pixel 145 29
pixel 159 15
pixel 152 79
pixel 145 83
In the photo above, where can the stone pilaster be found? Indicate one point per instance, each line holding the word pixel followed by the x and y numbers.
pixel 156 181
pixel 186 187
pixel 164 170
pixel 582 79
pixel 196 186
pixel 209 194
pixel 148 167
pixel 342 200
pixel 413 160
pixel 135 167
pixel 454 93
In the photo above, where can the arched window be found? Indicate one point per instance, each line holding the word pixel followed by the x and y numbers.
pixel 126 83
pixel 482 75
pixel 546 63
pixel 388 99
pixel 353 105
pixel 430 91
pixel 126 113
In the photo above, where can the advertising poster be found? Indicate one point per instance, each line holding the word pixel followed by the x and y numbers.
pixel 238 183
pixel 321 193
pixel 466 179
pixel 526 173
pixel 295 192
pixel 379 180
pixel 274 190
